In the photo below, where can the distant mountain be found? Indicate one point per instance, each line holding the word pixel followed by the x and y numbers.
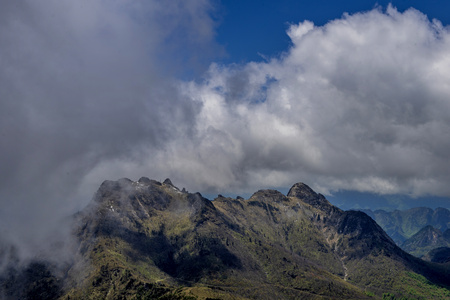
pixel 401 225
pixel 149 240
pixel 427 239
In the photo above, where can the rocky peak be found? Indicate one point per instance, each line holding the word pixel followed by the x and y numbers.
pixel 301 190
pixel 307 195
pixel 168 182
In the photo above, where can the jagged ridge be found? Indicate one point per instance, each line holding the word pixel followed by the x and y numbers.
pixel 145 238
pixel 297 245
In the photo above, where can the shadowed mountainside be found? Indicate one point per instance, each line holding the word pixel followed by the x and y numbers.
pixel 149 240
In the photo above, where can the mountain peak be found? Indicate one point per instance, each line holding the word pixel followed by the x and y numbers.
pixel 299 189
pixel 304 192
pixel 307 195
pixel 168 182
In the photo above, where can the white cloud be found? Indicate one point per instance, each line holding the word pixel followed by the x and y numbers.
pixel 360 103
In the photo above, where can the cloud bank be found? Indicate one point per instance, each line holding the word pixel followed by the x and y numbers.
pixel 361 104
pixel 95 90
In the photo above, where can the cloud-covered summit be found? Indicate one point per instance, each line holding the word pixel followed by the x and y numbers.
pixel 83 82
pixel 94 90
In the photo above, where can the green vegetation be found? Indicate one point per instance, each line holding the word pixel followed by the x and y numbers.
pixel 148 240
pixel 416 286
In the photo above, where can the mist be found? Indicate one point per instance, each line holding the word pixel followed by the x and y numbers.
pixel 81 83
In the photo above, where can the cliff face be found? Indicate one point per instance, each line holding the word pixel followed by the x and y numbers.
pixel 148 240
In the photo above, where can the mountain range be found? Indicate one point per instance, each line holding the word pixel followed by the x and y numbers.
pixel 426 240
pixel 150 240
pixel 420 231
pixel 401 225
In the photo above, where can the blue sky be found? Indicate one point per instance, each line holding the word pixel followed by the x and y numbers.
pixel 256 31
pixel 252 29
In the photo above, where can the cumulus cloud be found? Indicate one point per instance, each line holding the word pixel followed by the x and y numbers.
pixel 360 104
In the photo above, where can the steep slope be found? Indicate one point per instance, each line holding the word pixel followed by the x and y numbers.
pixel 370 257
